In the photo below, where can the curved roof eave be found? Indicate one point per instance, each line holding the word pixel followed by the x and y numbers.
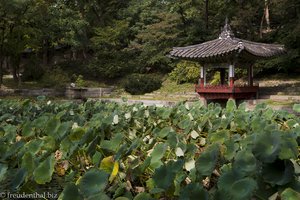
pixel 225 46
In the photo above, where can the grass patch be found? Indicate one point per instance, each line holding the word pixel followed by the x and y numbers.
pixel 171 87
pixel 8 82
pixel 279 76
pixel 280 103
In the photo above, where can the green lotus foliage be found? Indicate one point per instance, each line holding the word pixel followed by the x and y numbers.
pixel 207 161
pixel 267 146
pixel 168 172
pixel 143 196
pixel 28 162
pixel 165 132
pixel 43 173
pixel 158 152
pixel 242 189
pixel 290 194
pixel 93 183
pixel 245 163
pixel 19 178
pixel 52 126
pixel 183 152
pixel 280 172
pixel 230 106
pixel 113 144
pixel 296 107
pixel 3 170
pixel 231 147
pixel 193 191
pixel 219 136
pixel 71 191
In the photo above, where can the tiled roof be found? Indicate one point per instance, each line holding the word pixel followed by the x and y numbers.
pixel 225 46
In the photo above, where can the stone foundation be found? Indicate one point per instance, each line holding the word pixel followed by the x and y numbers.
pixel 80 93
pixel 70 93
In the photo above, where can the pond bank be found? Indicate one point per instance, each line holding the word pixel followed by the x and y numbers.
pixel 68 92
pixel 250 104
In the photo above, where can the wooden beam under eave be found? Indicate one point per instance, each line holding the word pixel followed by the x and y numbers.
pixel 250 75
pixel 231 75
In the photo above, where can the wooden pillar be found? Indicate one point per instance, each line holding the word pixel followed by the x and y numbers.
pixel 202 76
pixel 250 75
pixel 231 75
pixel 222 76
pixel 201 80
pixel 202 84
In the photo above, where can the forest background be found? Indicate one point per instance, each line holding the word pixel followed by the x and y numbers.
pixel 109 40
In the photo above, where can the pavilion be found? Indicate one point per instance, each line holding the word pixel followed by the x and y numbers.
pixel 225 54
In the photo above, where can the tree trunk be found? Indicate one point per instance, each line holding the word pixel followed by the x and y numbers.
pixel 84 54
pixel 266 16
pixel 2 55
pixel 181 13
pixel 1 70
pixel 297 9
pixel 15 65
pixel 45 53
pixel 45 57
pixel 206 14
pixel 261 26
pixel 74 55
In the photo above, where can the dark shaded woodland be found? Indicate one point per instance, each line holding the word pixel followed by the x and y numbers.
pixel 114 38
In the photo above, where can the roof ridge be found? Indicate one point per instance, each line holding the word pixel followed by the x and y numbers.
pixel 226 31
pixel 227 45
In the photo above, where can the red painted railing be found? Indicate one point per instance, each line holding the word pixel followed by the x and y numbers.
pixel 225 89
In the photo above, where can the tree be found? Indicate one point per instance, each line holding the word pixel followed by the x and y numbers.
pixel 128 36
pixel 14 33
pixel 59 26
pixel 265 17
pixel 110 42
pixel 154 41
pixel 206 13
pixel 155 32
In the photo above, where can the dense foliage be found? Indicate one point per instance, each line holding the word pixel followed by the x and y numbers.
pixel 141 83
pixel 114 38
pixel 186 72
pixel 102 150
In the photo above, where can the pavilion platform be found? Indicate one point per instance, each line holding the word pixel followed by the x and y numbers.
pixel 211 92
pixel 225 54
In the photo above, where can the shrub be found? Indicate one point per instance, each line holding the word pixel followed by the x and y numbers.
pixel 142 83
pixel 108 65
pixel 32 70
pixel 185 72
pixel 55 78
pixel 216 79
pixel 79 81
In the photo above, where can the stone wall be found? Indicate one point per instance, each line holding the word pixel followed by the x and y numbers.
pixel 78 93
pixel 40 92
pixel 70 93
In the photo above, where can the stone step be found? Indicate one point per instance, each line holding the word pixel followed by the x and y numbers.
pixel 150 94
pixel 146 97
pixel 279 88
pixel 285 97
